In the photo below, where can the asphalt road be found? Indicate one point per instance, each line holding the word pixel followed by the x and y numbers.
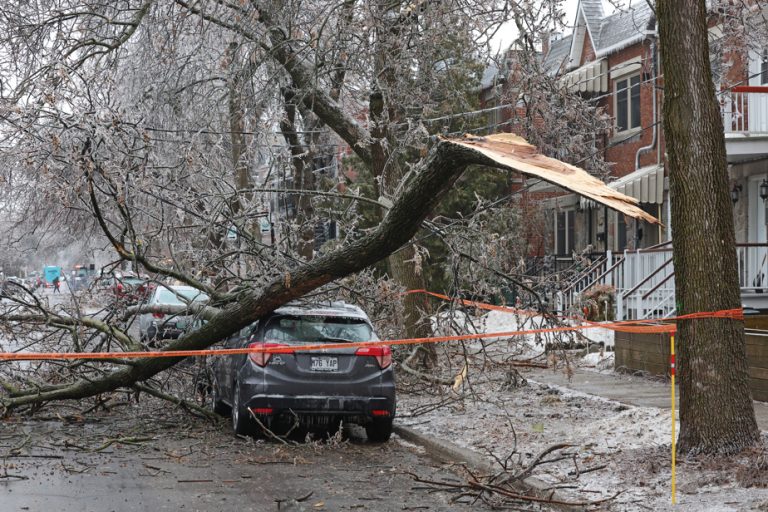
pixel 159 463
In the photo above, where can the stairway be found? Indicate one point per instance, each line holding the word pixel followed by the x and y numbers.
pixel 643 280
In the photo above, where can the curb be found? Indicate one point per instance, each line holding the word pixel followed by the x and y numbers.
pixel 447 451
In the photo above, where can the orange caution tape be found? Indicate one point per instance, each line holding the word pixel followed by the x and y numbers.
pixel 637 325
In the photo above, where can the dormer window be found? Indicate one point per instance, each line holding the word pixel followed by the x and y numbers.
pixel 627 103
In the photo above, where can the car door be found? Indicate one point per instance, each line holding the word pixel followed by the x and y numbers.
pixel 230 364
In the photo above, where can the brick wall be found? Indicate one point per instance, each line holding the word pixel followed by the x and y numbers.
pixel 622 153
pixel 587 51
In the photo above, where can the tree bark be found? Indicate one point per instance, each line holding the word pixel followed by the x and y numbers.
pixel 716 413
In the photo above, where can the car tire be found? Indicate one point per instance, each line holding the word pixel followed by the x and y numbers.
pixel 217 405
pixel 241 421
pixel 379 430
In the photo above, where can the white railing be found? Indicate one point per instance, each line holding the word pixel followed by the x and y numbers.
pixel 644 280
pixel 753 267
pixel 745 109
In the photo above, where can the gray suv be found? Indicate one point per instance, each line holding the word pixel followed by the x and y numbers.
pixel 312 388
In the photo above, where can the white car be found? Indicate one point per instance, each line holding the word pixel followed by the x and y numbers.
pixel 159 326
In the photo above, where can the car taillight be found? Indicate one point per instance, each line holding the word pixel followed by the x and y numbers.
pixel 158 315
pixel 263 411
pixel 262 358
pixel 380 412
pixel 382 354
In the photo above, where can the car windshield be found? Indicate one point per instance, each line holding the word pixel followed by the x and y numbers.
pixel 313 329
pixel 166 296
pixel 133 281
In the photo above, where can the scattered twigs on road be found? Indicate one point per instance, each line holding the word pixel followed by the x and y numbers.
pixel 290 501
pixel 503 489
pixel 477 489
pixel 184 404
pixel 121 440
pixel 540 459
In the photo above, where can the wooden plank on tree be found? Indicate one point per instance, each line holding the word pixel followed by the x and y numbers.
pixel 515 153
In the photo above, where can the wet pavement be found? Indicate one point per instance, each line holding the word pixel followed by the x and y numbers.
pixel 134 464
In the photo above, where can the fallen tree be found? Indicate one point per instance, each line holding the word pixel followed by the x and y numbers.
pixel 120 129
pixel 445 163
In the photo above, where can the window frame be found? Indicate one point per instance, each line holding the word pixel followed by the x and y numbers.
pixel 632 92
pixel 764 67
pixel 568 216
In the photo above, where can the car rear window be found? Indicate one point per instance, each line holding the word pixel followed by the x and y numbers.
pixel 317 329
pixel 166 296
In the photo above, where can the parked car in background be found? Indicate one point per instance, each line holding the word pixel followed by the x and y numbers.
pixel 161 326
pixel 127 287
pixel 316 388
pixel 82 276
pixel 34 279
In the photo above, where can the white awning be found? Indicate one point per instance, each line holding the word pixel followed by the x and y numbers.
pixel 591 77
pixel 645 184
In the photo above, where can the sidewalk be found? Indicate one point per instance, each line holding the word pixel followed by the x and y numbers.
pixel 622 388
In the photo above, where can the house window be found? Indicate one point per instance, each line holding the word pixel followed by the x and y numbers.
pixel 565 233
pixel 628 103
pixel 764 67
pixel 621 233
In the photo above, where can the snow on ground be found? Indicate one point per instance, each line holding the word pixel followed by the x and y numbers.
pixel 502 321
pixel 621 447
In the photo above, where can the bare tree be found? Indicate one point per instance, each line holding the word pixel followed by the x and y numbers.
pixel 156 125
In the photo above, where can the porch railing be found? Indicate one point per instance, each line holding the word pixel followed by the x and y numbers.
pixel 745 109
pixel 644 280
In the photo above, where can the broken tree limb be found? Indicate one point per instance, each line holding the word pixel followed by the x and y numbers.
pixel 508 151
pixel 445 163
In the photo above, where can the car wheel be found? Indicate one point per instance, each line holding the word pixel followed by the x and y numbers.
pixel 379 430
pixel 217 405
pixel 241 421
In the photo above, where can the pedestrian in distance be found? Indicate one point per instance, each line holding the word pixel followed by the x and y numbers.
pixel 56 284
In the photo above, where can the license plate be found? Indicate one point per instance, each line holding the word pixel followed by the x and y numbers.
pixel 324 364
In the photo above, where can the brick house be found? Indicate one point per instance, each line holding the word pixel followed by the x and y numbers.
pixel 614 62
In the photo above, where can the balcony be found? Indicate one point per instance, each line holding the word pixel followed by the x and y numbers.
pixel 745 110
pixel 745 122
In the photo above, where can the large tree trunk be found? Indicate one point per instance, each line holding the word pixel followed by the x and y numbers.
pixel 716 413
pixel 387 167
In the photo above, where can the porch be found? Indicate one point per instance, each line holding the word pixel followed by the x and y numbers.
pixel 644 281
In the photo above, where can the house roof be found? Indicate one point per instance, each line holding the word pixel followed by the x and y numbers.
pixel 557 57
pixel 489 76
pixel 623 28
pixel 608 34
pixel 593 14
